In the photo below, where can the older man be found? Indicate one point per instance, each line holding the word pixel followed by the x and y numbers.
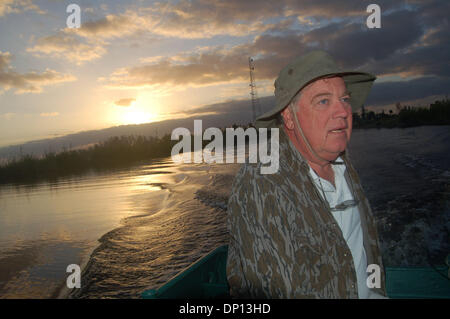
pixel 306 231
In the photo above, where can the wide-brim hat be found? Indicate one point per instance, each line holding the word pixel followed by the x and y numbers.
pixel 309 68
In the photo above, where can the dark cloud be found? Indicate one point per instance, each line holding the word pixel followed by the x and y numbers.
pixel 354 44
pixel 329 9
pixel 423 61
pixel 392 92
pixel 235 108
pixel 432 12
pixel 124 102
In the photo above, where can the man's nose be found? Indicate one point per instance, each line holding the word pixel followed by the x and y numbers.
pixel 341 109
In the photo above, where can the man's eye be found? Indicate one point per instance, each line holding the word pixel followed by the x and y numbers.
pixel 346 99
pixel 323 101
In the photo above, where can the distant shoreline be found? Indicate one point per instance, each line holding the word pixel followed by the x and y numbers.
pixel 438 113
pixel 374 126
pixel 114 153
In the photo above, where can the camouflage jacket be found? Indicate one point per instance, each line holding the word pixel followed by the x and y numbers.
pixel 284 241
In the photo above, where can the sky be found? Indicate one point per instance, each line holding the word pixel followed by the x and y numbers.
pixel 133 62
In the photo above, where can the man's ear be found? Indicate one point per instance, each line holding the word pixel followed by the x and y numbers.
pixel 288 118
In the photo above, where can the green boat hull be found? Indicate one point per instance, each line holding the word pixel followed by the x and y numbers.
pixel 206 279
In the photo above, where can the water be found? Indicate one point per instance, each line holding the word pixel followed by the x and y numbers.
pixel 134 229
pixel 46 227
pixel 406 176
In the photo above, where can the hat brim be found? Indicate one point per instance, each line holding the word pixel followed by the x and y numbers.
pixel 357 83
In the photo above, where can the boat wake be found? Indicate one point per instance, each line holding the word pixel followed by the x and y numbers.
pixel 415 226
pixel 152 247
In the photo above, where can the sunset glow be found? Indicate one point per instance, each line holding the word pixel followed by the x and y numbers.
pixel 137 117
pixel 138 111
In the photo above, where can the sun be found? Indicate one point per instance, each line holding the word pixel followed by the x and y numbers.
pixel 137 117
pixel 140 111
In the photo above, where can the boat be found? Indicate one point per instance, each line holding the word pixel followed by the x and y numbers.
pixel 206 279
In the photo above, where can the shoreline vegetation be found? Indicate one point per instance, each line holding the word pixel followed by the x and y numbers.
pixel 437 113
pixel 126 151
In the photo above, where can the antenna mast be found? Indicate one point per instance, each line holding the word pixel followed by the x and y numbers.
pixel 255 102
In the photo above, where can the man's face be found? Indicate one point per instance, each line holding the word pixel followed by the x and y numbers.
pixel 325 115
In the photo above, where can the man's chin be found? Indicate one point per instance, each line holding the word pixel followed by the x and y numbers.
pixel 334 154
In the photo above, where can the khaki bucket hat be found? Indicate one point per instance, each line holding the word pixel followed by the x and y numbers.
pixel 308 68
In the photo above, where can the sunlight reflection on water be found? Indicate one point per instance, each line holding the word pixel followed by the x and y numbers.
pixel 45 227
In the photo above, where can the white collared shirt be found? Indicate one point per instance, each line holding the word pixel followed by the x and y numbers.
pixel 348 220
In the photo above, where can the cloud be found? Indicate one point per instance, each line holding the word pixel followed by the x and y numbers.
pixel 111 26
pixel 405 45
pixel 124 102
pixel 433 12
pixel 7 6
pixel 398 91
pixel 31 82
pixel 204 69
pixel 427 57
pixel 18 6
pixel 7 116
pixel 89 42
pixel 212 65
pixel 234 110
pixel 190 19
pixel 186 19
pixel 67 46
pixel 354 44
pixel 410 42
pixel 51 114
pixel 206 18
